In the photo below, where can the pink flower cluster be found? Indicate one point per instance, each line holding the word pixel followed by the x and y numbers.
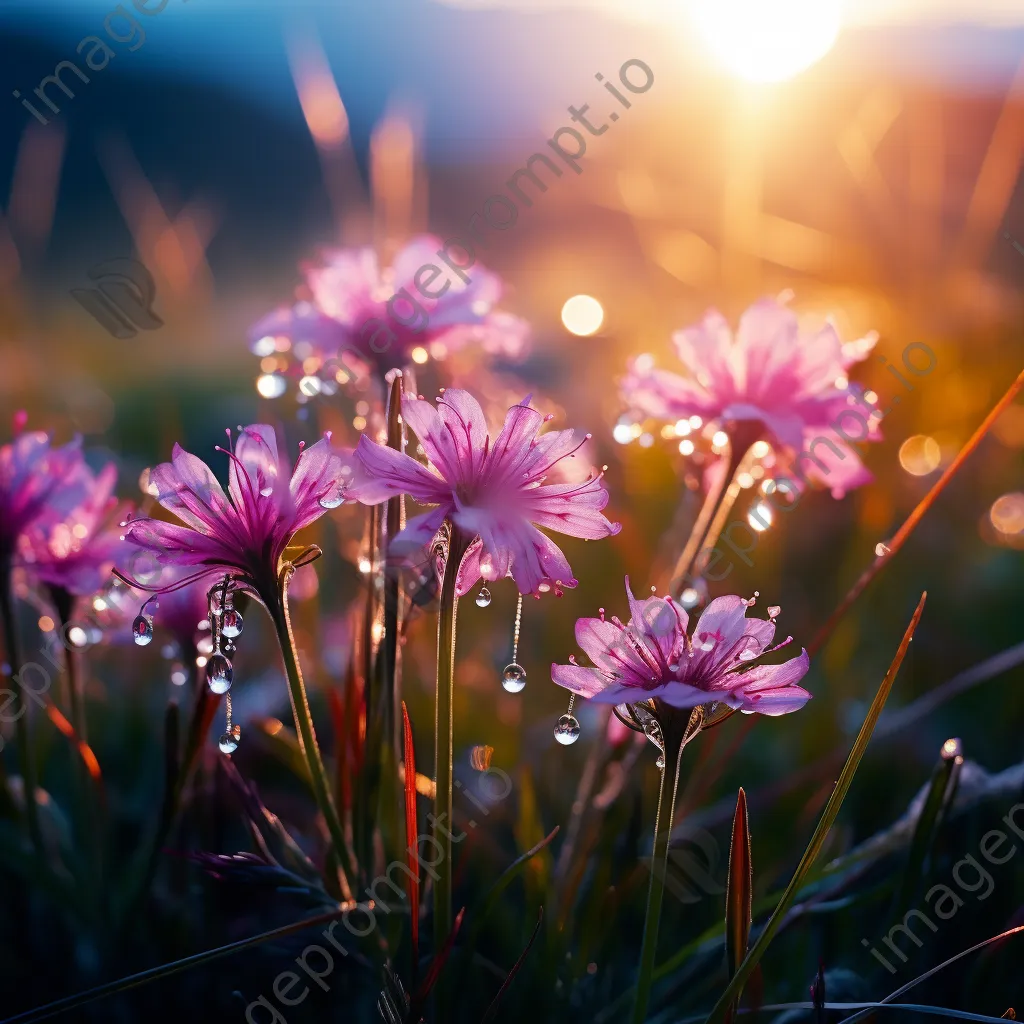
pixel 57 518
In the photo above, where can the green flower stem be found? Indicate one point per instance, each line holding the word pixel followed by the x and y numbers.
pixel 718 503
pixel 675 739
pixel 90 818
pixel 304 728
pixel 26 763
pixel 444 752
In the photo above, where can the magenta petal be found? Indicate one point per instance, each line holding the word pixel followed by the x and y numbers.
pixel 464 420
pixel 585 682
pixel 510 454
pixel 317 475
pixel 389 472
pixel 423 419
pixel 774 676
pixel 419 531
pixel 721 623
pixel 608 647
pixel 776 702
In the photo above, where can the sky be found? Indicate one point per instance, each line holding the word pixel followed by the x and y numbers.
pixel 859 12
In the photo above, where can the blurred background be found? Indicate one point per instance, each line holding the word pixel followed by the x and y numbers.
pixel 867 156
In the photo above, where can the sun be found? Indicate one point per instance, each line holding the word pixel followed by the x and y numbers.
pixel 768 40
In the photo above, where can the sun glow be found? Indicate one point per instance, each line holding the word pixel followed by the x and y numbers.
pixel 768 40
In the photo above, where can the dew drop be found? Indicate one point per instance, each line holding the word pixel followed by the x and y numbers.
pixel 747 655
pixel 708 645
pixel 333 498
pixel 267 491
pixel 513 677
pixel 231 623
pixel 228 741
pixel 219 673
pixel 882 549
pixel 142 630
pixel 483 598
pixel 774 611
pixel 567 730
pixel 660 763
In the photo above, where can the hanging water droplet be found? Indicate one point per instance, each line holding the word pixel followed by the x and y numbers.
pixel 218 601
pixel 142 630
pixel 483 599
pixel 660 763
pixel 231 623
pixel 567 730
pixel 219 673
pixel 882 549
pixel 227 743
pixel 774 611
pixel 513 677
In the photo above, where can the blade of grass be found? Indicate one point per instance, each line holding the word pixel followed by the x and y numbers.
pixel 166 970
pixel 893 546
pixel 738 892
pixel 493 1008
pixel 436 967
pixel 935 970
pixel 924 830
pixel 824 825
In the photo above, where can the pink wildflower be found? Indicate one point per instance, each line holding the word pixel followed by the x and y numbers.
pixel 792 384
pixel 76 551
pixel 37 482
pixel 244 532
pixel 382 315
pixel 490 489
pixel 651 656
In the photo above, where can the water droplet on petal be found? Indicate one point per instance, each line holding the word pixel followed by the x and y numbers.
pixel 333 498
pixel 513 677
pixel 567 730
pixel 231 623
pixel 267 491
pixel 747 655
pixel 708 645
pixel 142 630
pixel 483 599
pixel 219 673
pixel 882 549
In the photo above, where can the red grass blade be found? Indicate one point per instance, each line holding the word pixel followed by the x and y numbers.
pixel 510 977
pixel 739 891
pixel 436 966
pixel 411 834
